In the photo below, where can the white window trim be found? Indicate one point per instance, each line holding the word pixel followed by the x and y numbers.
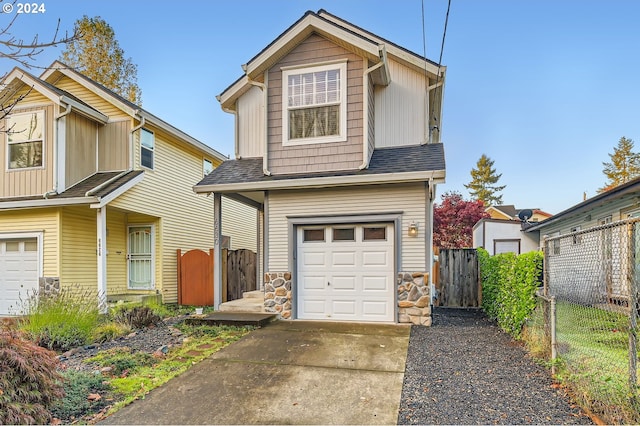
pixel 44 138
pixel 204 161
pixel 286 71
pixel 153 150
pixel 153 255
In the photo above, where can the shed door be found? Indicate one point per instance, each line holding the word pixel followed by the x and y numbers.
pixel 346 272
pixel 18 273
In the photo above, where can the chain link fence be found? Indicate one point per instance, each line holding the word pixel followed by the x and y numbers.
pixel 586 320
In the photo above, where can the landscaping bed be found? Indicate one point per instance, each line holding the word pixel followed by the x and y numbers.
pixel 66 364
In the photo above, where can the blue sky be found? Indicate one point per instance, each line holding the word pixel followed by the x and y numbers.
pixel 546 88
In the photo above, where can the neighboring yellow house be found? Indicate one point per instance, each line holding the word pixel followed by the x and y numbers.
pixel 96 193
pixel 509 212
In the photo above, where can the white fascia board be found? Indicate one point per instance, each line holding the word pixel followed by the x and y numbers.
pixel 85 110
pixel 161 124
pixel 310 23
pixel 83 81
pixel 117 192
pixel 437 176
pixel 45 202
pixel 228 98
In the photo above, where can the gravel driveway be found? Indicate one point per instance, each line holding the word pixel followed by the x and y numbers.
pixel 465 370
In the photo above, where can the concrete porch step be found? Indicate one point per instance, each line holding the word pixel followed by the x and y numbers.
pixel 255 294
pixel 243 305
pixel 256 319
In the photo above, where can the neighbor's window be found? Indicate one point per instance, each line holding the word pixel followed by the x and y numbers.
pixel 147 146
pixel 577 238
pixel 314 104
pixel 25 136
pixel 207 166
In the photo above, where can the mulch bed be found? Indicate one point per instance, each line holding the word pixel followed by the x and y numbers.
pixel 465 370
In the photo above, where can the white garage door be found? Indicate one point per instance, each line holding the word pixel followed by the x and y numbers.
pixel 18 273
pixel 346 272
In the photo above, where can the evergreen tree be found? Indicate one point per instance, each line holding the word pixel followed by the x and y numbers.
pixel 483 183
pixel 98 55
pixel 624 165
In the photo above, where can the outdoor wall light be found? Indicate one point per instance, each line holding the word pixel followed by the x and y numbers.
pixel 413 229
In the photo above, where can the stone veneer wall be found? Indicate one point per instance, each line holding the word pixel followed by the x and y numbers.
pixel 49 286
pixel 413 298
pixel 277 293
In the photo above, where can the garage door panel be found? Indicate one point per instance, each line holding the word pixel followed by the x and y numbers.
pixel 375 283
pixel 343 258
pixel 343 307
pixel 311 283
pixel 18 273
pixel 375 258
pixel 373 308
pixel 313 258
pixel 314 307
pixel 360 273
pixel 342 283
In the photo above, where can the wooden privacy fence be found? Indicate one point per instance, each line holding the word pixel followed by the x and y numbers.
pixel 195 275
pixel 458 283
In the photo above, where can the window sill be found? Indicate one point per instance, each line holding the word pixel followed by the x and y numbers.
pixel 312 141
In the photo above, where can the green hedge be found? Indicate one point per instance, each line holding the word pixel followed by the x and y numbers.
pixel 509 283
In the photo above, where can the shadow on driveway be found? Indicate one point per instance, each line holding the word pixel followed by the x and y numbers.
pixel 290 372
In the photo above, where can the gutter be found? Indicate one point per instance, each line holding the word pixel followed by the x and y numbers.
pixel 365 97
pixel 265 156
pixel 437 176
pixel 135 129
pixel 57 118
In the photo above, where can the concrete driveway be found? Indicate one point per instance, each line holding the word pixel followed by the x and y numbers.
pixel 290 372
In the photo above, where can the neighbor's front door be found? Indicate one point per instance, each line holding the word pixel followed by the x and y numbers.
pixel 140 257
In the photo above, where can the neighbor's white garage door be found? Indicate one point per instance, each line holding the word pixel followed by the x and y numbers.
pixel 18 273
pixel 346 272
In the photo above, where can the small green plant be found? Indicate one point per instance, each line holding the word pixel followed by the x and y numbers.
pixel 123 360
pixel 109 331
pixel 77 386
pixel 29 382
pixel 138 316
pixel 63 321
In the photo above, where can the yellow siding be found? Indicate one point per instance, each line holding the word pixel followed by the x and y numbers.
pixel 37 220
pixel 78 260
pixel 240 223
pixel 408 199
pixel 116 252
pixel 166 192
pixel 90 98
pixel 37 181
pixel 80 149
pixel 113 146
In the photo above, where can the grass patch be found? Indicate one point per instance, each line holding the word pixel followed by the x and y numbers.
pixel 593 358
pixel 203 341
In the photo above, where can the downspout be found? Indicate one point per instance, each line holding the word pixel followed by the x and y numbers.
pixel 135 129
pixel 265 156
pixel 55 152
pixel 365 96
pixel 429 239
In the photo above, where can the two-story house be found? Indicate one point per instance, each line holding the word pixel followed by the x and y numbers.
pixel 95 192
pixel 338 147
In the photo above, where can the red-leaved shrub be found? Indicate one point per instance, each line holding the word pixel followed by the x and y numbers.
pixel 29 381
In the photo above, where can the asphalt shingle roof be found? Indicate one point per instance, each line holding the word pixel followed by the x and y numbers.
pixel 415 158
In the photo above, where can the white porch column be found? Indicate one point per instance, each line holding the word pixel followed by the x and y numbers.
pixel 217 252
pixel 101 226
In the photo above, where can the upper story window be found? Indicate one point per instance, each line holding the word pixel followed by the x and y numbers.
pixel 315 104
pixel 207 166
pixel 25 140
pixel 147 147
